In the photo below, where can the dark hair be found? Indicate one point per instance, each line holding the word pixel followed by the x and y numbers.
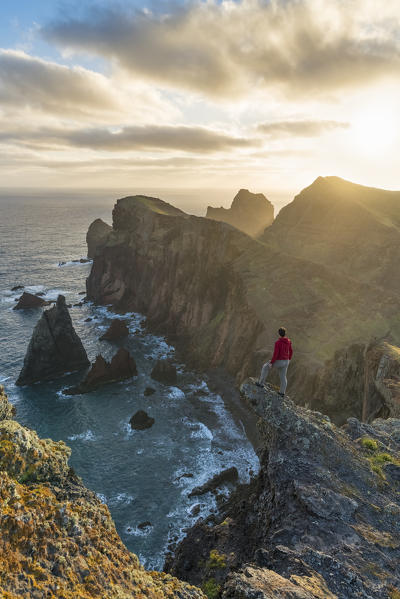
pixel 282 331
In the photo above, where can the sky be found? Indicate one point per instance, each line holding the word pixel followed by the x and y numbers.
pixel 261 94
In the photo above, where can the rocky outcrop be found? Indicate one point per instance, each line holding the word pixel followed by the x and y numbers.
pixel 141 421
pixel 57 538
pixel 230 476
pixel 117 330
pixel 164 372
pixel 249 212
pixel 121 367
pixel 96 236
pixel 321 519
pixel 220 296
pixel 54 348
pixel 28 301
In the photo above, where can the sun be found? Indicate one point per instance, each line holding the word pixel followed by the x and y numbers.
pixel 374 129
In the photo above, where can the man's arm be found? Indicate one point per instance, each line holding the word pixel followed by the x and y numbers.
pixel 275 354
pixel 290 351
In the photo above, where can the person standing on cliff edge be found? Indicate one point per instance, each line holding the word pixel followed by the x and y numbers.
pixel 283 353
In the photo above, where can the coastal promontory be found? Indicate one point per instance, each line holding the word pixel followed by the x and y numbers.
pixel 249 212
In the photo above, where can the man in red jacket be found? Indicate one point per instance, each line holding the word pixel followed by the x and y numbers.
pixel 282 355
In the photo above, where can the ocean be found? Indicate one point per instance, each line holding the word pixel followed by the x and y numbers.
pixel 143 476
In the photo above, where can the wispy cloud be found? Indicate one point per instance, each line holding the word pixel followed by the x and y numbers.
pixel 220 48
pixel 300 128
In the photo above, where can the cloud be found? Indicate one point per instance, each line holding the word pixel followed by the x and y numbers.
pixel 73 92
pixel 300 128
pixel 220 49
pixel 184 138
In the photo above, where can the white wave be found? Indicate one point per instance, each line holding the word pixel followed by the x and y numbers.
pixel 3 379
pixel 102 497
pixel 176 393
pixel 121 499
pixel 63 264
pixel 52 294
pixel 33 289
pixel 86 436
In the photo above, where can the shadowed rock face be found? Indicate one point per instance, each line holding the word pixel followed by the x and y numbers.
pixel 165 372
pixel 117 330
pixel 28 301
pixel 57 538
pixel 321 520
pixel 54 348
pixel 220 296
pixel 249 212
pixel 96 236
pixel 122 366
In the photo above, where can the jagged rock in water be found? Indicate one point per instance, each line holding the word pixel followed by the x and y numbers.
pixel 117 330
pixel 321 519
pixel 164 372
pixel 54 348
pixel 141 421
pixel 28 301
pixel 7 411
pixel 57 538
pixel 249 212
pixel 96 236
pixel 149 391
pixel 122 366
pixel 17 287
pixel 230 476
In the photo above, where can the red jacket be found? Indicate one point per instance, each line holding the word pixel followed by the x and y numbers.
pixel 282 350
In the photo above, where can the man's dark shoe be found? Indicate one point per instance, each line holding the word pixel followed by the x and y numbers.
pixel 259 385
pixel 281 394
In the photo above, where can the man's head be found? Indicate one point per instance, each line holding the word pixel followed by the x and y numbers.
pixel 282 331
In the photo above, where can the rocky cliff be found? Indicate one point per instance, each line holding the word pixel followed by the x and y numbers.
pixel 249 212
pixel 220 295
pixel 54 348
pixel 96 236
pixel 57 540
pixel 321 520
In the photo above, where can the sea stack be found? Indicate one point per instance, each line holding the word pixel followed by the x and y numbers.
pixel 121 367
pixel 54 348
pixel 96 236
pixel 28 301
pixel 249 212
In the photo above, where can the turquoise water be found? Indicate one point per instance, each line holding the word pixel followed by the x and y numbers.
pixel 137 473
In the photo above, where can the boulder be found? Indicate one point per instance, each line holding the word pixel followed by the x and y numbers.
pixel 29 300
pixel 229 476
pixel 164 372
pixel 54 348
pixel 117 330
pixel 141 420
pixel 122 366
pixel 96 236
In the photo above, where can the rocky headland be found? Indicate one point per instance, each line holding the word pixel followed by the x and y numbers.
pixel 122 366
pixel 249 212
pixel 321 519
pixel 96 236
pixel 54 348
pixel 220 295
pixel 57 540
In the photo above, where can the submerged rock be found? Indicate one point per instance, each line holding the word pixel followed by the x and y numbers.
pixel 141 421
pixel 28 301
pixel 249 212
pixel 149 391
pixel 117 330
pixel 164 372
pixel 122 366
pixel 17 287
pixel 57 538
pixel 321 519
pixel 230 476
pixel 96 236
pixel 54 348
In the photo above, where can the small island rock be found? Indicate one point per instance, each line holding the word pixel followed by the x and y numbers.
pixel 141 421
pixel 29 300
pixel 117 330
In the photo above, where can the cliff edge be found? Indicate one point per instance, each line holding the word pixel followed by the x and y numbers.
pixel 321 519
pixel 57 539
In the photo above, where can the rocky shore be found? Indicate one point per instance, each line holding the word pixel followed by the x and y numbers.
pixel 321 520
pixel 57 539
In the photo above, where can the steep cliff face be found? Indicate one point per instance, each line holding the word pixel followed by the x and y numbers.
pixel 54 348
pixel 221 295
pixel 56 538
pixel 96 236
pixel 321 520
pixel 249 212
